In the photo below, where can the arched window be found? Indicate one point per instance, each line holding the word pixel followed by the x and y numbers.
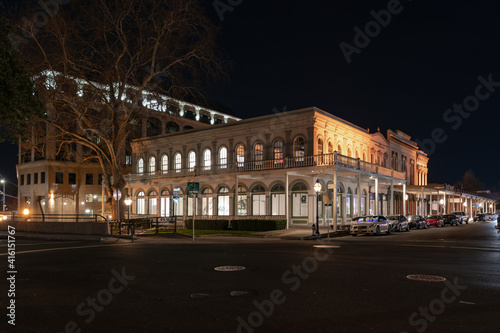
pixel 152 202
pixel 278 151
pixel 223 202
pixel 242 201
pixel 223 157
pixel 357 153
pixel 320 146
pixel 153 127
pixel 192 160
pixel 140 203
pixel 330 147
pixel 339 149
pixel 178 206
pixel 152 165
pixel 207 159
pixel 178 162
pixel 240 155
pixel 164 163
pixel 171 127
pixel 349 152
pixel 278 200
pixel 164 203
pixel 299 200
pixel 140 166
pixel 207 202
pixel 258 200
pixel 364 156
pixel 299 148
pixel 258 152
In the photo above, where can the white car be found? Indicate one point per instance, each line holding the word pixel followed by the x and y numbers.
pixel 370 225
pixel 398 223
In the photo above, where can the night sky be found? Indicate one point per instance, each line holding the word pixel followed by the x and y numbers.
pixel 286 55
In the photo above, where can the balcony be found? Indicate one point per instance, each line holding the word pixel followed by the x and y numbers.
pixel 342 162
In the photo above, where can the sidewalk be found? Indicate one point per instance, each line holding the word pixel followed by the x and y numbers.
pixel 64 237
pixel 286 234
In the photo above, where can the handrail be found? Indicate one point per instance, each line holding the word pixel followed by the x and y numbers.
pixel 284 163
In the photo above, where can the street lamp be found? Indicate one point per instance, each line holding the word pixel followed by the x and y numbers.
pixel 128 202
pixel 441 201
pixel 3 194
pixel 317 189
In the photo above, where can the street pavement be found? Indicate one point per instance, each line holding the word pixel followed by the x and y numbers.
pixel 345 284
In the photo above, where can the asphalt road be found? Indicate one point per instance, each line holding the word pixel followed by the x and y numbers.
pixel 357 284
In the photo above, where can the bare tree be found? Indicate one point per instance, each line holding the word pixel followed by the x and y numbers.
pixel 470 182
pixel 96 61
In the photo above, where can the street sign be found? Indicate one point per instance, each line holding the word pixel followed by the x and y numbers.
pixel 117 195
pixel 331 186
pixel 193 187
pixel 177 191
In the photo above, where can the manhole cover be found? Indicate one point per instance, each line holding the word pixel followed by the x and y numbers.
pixel 327 246
pixel 200 295
pixel 428 278
pixel 229 268
pixel 239 293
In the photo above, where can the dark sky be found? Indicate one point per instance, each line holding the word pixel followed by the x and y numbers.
pixel 428 58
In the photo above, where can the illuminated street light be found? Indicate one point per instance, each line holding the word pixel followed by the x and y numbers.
pixel 317 189
pixel 26 211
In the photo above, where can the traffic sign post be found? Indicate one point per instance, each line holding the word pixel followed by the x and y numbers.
pixel 193 189
pixel 117 195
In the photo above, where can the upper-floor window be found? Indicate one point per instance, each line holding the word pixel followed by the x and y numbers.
pixel 299 148
pixel 240 155
pixel 278 151
pixel 164 163
pixel 140 166
pixel 223 157
pixel 192 160
pixel 152 165
pixel 258 152
pixel 320 146
pixel 178 162
pixel 207 159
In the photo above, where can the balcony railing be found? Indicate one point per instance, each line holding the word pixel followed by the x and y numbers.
pixel 285 163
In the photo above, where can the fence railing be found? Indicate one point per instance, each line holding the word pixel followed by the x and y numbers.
pixel 95 218
pixel 284 163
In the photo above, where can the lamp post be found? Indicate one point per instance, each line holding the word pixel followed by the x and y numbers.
pixel 317 189
pixel 128 202
pixel 441 202
pixel 3 195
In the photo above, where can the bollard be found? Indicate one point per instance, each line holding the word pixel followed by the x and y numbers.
pixel 314 229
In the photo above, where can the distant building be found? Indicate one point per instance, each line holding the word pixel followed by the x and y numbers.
pixel 55 182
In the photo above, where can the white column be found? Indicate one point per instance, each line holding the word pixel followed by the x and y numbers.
pixel 235 214
pixel 359 195
pixel 391 209
pixel 376 197
pixel 287 202
pixel 444 202
pixel 335 199
pixel 404 199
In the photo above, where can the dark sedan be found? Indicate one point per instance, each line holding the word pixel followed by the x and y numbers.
pixel 417 221
pixel 450 219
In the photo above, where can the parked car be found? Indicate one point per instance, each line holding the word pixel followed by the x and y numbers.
pixel 480 217
pixel 370 225
pixel 462 217
pixel 435 220
pixel 450 219
pixel 417 221
pixel 398 222
pixel 498 224
pixel 491 216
